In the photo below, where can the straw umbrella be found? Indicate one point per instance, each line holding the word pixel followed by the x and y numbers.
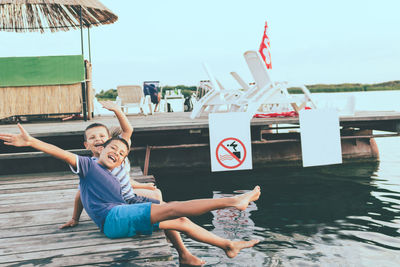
pixel 53 15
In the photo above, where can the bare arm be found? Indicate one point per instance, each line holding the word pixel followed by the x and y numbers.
pixel 24 139
pixel 126 127
pixel 78 208
pixel 137 185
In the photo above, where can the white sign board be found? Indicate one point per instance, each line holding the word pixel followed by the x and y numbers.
pixel 320 137
pixel 230 141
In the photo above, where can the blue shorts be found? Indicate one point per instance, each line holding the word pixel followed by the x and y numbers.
pixel 129 220
pixel 139 199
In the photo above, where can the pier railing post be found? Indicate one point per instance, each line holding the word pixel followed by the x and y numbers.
pixel 147 160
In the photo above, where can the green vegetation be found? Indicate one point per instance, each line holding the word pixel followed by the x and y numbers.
pixel 348 87
pixel 185 90
pixel 111 94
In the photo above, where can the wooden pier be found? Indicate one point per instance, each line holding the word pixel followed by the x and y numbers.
pixel 158 122
pixel 34 206
pixel 173 140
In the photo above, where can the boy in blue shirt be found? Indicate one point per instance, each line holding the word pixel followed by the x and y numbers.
pixel 102 198
pixel 95 135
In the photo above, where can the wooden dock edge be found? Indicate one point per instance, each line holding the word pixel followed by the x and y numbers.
pixel 32 207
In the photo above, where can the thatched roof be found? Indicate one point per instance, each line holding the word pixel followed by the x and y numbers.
pixel 53 15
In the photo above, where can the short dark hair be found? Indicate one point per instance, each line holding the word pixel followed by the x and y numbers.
pixel 116 138
pixel 115 131
pixel 94 125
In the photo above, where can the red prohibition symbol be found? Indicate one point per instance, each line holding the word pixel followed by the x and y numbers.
pixel 231 153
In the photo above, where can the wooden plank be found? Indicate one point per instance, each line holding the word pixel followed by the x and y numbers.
pixel 35 217
pixel 145 178
pixel 103 256
pixel 85 224
pixel 150 249
pixel 42 205
pixel 9 180
pixel 63 240
pixel 36 177
pixel 106 258
pixel 31 189
pixel 33 186
pixel 28 197
pixel 136 169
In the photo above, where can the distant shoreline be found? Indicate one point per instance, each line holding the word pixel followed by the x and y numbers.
pixel 348 87
pixel 111 94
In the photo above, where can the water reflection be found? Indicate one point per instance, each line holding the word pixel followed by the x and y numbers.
pixel 232 223
pixel 336 215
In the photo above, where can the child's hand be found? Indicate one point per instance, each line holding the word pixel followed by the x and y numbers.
pixel 70 223
pixel 22 139
pixel 149 186
pixel 110 105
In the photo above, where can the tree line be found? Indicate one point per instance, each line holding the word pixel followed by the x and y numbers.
pixel 112 94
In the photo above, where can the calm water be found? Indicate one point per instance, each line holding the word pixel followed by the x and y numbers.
pixel 342 215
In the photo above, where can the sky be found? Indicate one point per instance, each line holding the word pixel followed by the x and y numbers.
pixel 312 41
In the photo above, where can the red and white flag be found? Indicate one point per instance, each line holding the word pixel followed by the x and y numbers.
pixel 265 48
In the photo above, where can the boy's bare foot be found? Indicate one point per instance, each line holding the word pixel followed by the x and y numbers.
pixel 244 199
pixel 233 249
pixel 190 260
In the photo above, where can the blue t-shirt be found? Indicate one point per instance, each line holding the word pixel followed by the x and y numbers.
pixel 100 191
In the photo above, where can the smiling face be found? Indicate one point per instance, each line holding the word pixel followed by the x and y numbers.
pixel 113 154
pixel 95 138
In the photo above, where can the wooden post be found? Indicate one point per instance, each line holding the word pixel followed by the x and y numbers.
pixel 80 22
pixel 89 89
pixel 84 103
pixel 147 161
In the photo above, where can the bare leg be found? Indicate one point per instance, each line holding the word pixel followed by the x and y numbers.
pixel 185 257
pixel 173 210
pixel 198 233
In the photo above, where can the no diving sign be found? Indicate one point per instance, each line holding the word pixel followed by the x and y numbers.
pixel 230 142
pixel 231 153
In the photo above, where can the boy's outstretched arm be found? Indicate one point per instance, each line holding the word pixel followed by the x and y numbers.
pixel 24 139
pixel 126 127
pixel 78 208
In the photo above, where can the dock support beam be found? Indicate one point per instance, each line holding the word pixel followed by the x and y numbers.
pixel 147 161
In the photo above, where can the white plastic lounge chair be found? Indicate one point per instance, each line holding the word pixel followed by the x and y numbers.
pixel 265 95
pixel 240 81
pixel 259 94
pixel 215 100
pixel 270 93
pixel 131 96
